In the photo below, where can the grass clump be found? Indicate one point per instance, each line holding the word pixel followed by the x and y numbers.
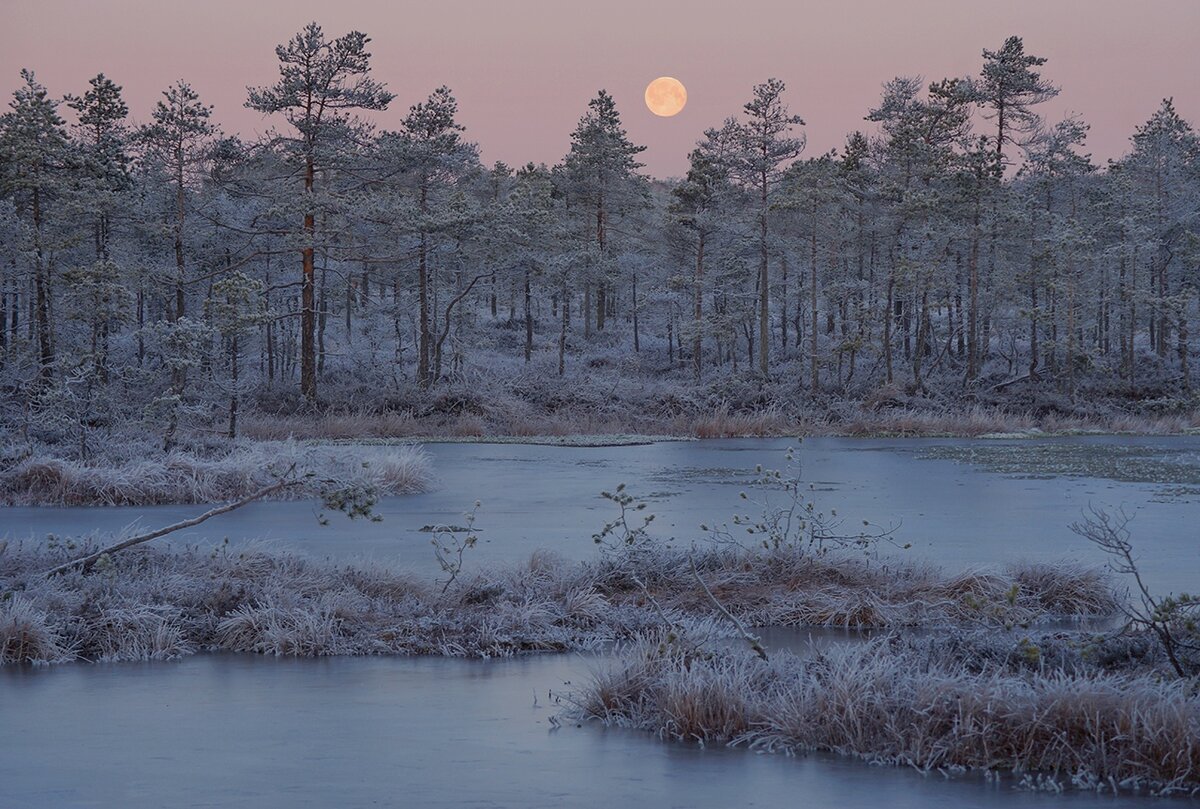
pixel 180 477
pixel 1064 709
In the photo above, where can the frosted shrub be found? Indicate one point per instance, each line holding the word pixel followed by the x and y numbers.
pixel 796 523
pixel 1174 620
pixel 449 547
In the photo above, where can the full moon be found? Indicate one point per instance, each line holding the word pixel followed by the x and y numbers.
pixel 666 96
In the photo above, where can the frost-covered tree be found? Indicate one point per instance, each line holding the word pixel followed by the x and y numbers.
pixel 321 83
pixel 35 173
pixel 1163 163
pixel 102 137
pixel 426 159
pixel 177 139
pixel 763 146
pixel 700 205
pixel 1010 86
pixel 234 307
pixel 602 180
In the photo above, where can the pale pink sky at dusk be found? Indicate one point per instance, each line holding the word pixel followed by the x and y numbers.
pixel 523 70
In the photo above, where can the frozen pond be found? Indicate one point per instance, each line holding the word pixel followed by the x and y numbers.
pixel 235 731
pixel 221 730
pixel 959 503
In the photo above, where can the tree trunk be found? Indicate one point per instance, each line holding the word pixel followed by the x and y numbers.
pixel 178 231
pixel 764 287
pixel 42 294
pixel 233 395
pixel 423 329
pixel 1183 348
pixel 528 319
pixel 636 344
pixel 587 311
pixel 308 319
pixel 814 323
pixel 565 311
pixel 698 308
pixel 887 325
pixel 973 300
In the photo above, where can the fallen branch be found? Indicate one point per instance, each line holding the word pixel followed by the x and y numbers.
pixel 89 560
pixel 1001 386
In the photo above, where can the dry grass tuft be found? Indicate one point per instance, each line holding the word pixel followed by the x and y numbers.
pixel 27 634
pixel 909 702
pixel 183 478
pixel 724 424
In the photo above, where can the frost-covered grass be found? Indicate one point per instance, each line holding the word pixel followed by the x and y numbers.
pixel 978 692
pixel 787 588
pixel 1055 711
pixel 157 602
pixel 498 416
pixel 183 477
pixel 607 390
pixel 616 440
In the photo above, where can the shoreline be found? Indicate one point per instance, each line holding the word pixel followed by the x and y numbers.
pixel 569 430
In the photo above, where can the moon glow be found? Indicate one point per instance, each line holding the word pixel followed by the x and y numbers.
pixel 666 96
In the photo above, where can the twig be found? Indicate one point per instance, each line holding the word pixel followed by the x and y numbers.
pixel 754 641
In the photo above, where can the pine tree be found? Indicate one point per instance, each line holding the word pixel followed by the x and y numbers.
pixel 320 82
pixel 696 205
pixel 34 160
pixel 1165 152
pixel 103 137
pixel 764 146
pixel 430 150
pixel 1010 87
pixel 178 137
pixel 602 171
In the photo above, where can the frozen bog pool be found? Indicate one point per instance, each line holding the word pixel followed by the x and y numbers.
pixel 960 503
pixel 240 731
pixel 223 730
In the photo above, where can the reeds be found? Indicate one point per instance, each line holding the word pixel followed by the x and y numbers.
pixel 157 602
pixel 518 419
pixel 27 634
pixel 1057 718
pixel 179 477
pixel 721 423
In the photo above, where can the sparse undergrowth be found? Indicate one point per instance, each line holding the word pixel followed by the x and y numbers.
pixel 162 603
pixel 1065 709
pixel 181 477
pixel 501 419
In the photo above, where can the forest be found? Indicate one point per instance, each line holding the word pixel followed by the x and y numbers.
pixel 169 284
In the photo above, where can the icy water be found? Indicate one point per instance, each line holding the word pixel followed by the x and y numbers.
pixel 239 731
pixel 960 503
pixel 221 730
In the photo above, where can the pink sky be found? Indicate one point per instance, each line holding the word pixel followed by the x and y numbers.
pixel 523 70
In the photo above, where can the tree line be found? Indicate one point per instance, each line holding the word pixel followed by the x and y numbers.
pixel 959 241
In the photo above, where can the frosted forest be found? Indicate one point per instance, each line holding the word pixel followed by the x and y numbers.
pixel 959 256
pixel 888 454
